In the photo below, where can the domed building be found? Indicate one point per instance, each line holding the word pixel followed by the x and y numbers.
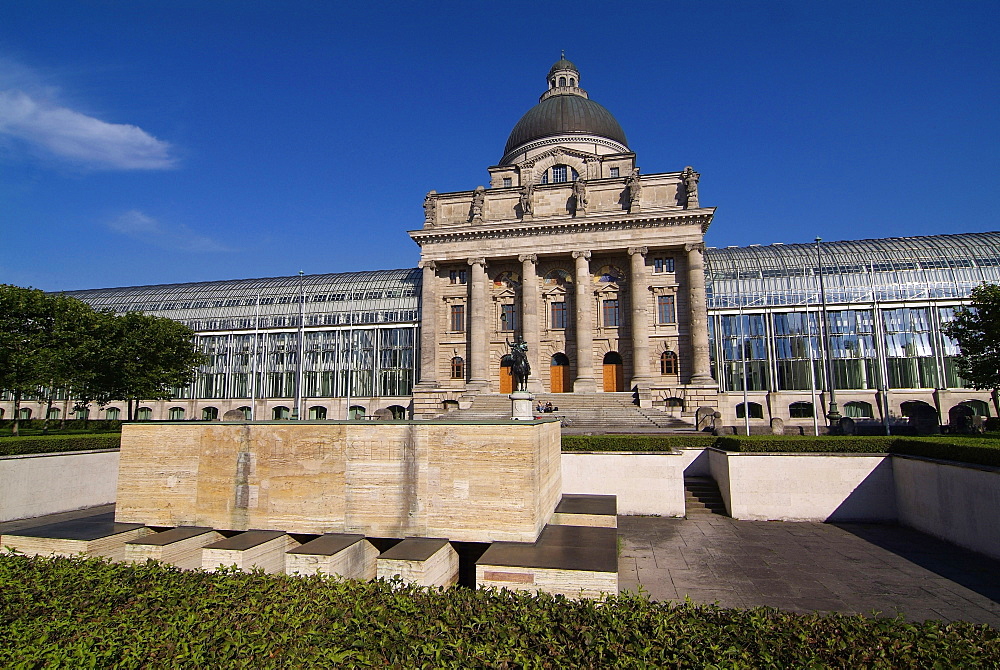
pixel 596 266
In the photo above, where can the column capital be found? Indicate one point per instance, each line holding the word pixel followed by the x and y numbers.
pixel 528 258
pixel 427 264
pixel 582 254
pixel 642 251
pixel 478 261
pixel 696 246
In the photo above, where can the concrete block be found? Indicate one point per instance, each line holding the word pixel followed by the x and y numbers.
pixel 336 554
pixel 420 560
pixel 180 547
pixel 264 549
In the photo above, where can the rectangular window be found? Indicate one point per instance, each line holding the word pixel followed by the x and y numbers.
pixel 665 309
pixel 457 277
pixel 663 265
pixel 506 182
pixel 508 318
pixel 614 172
pixel 457 318
pixel 558 315
pixel 611 313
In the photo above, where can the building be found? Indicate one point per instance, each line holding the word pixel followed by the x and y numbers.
pixel 602 270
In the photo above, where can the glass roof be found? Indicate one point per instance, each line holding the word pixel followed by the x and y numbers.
pixel 890 269
pixel 382 296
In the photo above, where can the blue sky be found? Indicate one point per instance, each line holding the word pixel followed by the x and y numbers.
pixel 160 142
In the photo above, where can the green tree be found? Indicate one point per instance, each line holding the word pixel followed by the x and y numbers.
pixel 977 329
pixel 143 357
pixel 25 318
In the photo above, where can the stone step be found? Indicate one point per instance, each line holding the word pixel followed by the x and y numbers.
pixel 702 496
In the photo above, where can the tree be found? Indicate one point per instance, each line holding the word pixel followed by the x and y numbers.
pixel 977 329
pixel 25 317
pixel 143 357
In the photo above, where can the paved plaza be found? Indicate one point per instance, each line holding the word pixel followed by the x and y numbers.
pixel 806 567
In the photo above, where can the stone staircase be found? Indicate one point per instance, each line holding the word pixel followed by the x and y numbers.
pixel 581 413
pixel 702 496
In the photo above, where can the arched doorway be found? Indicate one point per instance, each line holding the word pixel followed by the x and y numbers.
pixel 922 416
pixel 614 374
pixel 506 378
pixel 559 381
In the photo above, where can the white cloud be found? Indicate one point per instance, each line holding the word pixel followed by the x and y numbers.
pixel 139 226
pixel 29 113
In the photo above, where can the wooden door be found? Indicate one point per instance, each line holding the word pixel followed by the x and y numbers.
pixel 559 378
pixel 506 380
pixel 614 378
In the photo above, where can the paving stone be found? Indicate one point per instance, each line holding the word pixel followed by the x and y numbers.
pixel 802 567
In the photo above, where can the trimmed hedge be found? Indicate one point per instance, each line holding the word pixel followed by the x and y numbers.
pixel 633 442
pixel 975 450
pixel 73 612
pixel 50 444
pixel 102 425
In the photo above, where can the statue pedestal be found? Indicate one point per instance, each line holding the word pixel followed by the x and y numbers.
pixel 521 408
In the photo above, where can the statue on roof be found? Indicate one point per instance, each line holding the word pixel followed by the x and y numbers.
pixel 634 187
pixel 430 208
pixel 478 204
pixel 690 179
pixel 525 198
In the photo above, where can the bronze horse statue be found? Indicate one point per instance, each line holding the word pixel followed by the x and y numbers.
pixel 519 367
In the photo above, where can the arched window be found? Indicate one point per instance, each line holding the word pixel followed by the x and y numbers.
pixel 144 414
pixel 674 403
pixel 398 412
pixel 279 413
pixel 668 363
pixel 210 414
pixel 111 414
pixel 317 413
pixel 562 81
pixel 176 414
pixel 572 81
pixel 756 411
pixel 978 406
pixel 53 413
pixel 858 409
pixel 24 414
pixel 82 413
pixel 800 410
pixel 356 412
pixel 458 368
pixel 247 412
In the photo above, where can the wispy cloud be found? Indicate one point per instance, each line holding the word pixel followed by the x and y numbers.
pixel 139 226
pixel 32 114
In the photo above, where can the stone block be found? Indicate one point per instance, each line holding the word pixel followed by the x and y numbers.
pixel 180 547
pixel 264 549
pixel 422 561
pixel 71 538
pixel 338 554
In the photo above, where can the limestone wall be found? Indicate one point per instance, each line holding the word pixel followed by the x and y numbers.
pixel 36 484
pixel 954 502
pixel 467 482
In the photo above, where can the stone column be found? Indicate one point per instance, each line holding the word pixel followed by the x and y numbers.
pixel 529 317
pixel 640 321
pixel 701 369
pixel 428 325
pixel 584 382
pixel 478 373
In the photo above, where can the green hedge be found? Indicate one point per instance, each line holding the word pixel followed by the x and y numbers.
pixel 71 424
pixel 48 444
pixel 633 442
pixel 72 612
pixel 976 450
pixel 806 445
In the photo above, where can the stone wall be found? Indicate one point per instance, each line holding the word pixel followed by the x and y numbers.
pixel 469 482
pixel 36 484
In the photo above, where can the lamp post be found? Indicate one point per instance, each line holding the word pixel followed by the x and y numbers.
pixel 832 416
pixel 297 409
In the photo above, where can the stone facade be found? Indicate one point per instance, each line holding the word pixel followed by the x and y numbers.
pixel 597 267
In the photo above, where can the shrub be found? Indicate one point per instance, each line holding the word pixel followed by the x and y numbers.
pixel 72 612
pixel 968 450
pixel 633 442
pixel 805 445
pixel 48 444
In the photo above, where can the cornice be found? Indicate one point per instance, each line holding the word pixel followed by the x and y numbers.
pixel 702 217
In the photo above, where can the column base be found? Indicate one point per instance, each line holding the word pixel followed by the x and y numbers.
pixel 584 385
